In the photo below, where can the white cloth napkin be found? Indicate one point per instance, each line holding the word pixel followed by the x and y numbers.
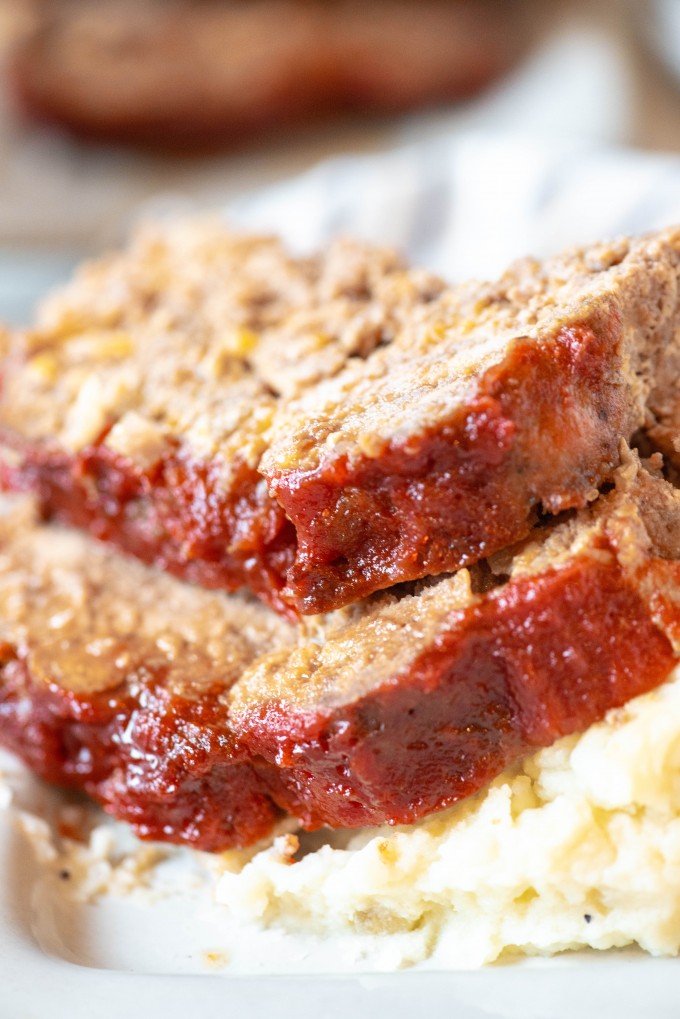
pixel 466 206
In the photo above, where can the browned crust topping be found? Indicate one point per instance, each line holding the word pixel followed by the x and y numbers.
pixel 318 429
pixel 90 619
pixel 640 517
pixel 197 715
pixel 512 397
pixel 191 333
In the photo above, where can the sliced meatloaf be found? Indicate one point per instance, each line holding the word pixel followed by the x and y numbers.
pixel 112 675
pixel 319 429
pixel 420 702
pixel 440 448
pixel 197 716
pixel 138 406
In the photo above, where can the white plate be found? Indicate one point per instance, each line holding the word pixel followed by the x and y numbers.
pixel 463 207
pixel 43 971
pixel 161 959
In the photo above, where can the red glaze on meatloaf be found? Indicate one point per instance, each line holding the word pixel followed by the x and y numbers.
pixel 320 429
pixel 174 514
pixel 138 407
pixel 419 704
pixel 167 765
pixel 161 700
pixel 440 448
pixel 113 680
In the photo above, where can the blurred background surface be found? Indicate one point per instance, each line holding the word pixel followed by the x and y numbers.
pixel 307 80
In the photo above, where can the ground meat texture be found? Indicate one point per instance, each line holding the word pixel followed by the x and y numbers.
pixel 139 405
pixel 113 678
pixel 200 717
pixel 321 428
pixel 442 447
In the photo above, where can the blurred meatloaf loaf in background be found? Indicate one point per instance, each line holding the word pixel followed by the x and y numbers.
pixel 199 716
pixel 186 73
pixel 321 428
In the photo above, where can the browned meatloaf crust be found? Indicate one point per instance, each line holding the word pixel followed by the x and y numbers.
pixel 319 429
pixel 112 679
pixel 139 405
pixel 211 72
pixel 197 715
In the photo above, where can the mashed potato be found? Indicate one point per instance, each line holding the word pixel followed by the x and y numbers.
pixel 580 846
pixel 577 847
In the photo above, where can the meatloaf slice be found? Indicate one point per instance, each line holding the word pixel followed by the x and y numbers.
pixel 196 716
pixel 112 678
pixel 318 429
pixel 138 406
pixel 507 399
pixel 421 701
